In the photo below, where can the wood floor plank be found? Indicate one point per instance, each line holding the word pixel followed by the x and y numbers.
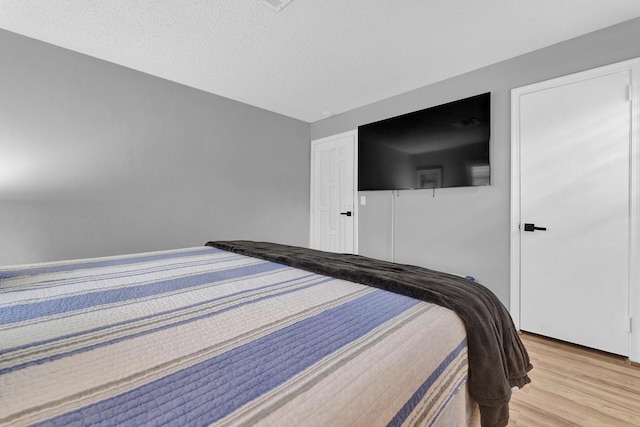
pixel 576 386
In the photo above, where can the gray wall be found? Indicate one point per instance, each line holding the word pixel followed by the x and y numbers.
pixel 466 230
pixel 97 159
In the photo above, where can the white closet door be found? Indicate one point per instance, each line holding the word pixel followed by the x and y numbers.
pixel 574 176
pixel 332 194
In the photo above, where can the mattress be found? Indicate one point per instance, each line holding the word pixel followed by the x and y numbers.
pixel 203 336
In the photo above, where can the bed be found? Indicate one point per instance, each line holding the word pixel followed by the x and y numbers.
pixel 250 333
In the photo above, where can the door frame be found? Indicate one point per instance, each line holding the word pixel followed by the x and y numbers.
pixel 314 143
pixel 633 67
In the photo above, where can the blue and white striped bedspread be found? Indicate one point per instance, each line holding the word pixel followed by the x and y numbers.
pixel 201 336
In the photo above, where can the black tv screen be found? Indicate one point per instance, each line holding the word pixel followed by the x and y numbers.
pixel 442 146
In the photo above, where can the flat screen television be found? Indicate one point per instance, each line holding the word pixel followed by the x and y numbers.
pixel 438 147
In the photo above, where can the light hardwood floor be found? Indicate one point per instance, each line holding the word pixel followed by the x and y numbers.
pixel 575 386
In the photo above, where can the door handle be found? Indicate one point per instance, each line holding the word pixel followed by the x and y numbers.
pixel 532 227
pixel 347 213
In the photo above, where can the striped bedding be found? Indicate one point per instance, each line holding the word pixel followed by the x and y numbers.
pixel 202 336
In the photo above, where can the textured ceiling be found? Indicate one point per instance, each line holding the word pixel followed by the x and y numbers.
pixel 314 55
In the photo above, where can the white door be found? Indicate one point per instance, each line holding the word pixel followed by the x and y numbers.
pixel 332 194
pixel 574 196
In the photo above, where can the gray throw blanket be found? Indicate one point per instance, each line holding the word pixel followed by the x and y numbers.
pixel 497 357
